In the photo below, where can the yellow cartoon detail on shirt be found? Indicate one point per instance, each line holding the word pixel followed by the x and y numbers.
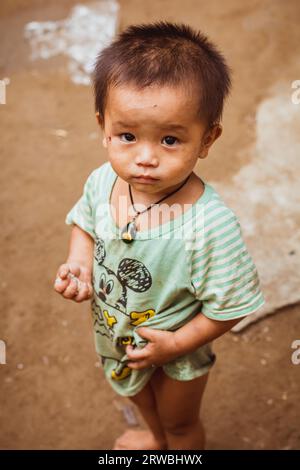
pixel 140 317
pixel 109 306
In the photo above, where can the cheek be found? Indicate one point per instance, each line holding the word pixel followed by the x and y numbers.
pixel 116 145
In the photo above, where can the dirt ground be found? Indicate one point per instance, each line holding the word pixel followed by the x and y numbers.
pixel 52 389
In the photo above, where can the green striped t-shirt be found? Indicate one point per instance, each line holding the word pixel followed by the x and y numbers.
pixel 197 262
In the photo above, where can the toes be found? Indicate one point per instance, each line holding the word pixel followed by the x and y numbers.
pixel 118 447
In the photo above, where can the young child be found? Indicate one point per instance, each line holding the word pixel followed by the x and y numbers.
pixel 155 247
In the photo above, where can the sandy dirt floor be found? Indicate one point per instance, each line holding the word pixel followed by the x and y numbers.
pixel 53 393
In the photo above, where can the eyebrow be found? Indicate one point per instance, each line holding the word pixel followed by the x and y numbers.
pixel 164 126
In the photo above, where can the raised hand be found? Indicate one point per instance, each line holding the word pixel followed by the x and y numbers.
pixel 73 281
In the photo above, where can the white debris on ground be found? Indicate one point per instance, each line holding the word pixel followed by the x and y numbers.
pixel 127 410
pixel 59 132
pixel 80 37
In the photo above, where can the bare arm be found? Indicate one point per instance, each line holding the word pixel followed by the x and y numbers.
pixel 199 331
pixel 165 346
pixel 81 248
pixel 73 278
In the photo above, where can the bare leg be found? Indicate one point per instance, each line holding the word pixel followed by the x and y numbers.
pixel 151 439
pixel 178 405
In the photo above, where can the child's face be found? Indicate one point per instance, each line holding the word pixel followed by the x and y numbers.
pixel 140 139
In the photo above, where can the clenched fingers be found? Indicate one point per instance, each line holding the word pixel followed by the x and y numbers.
pixel 67 269
pixel 84 293
pixel 61 284
pixel 139 365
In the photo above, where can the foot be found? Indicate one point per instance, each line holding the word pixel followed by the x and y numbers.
pixel 138 440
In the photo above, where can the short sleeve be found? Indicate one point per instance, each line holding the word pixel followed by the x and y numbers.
pixel 224 276
pixel 82 213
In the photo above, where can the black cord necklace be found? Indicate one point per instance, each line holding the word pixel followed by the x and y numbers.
pixel 129 231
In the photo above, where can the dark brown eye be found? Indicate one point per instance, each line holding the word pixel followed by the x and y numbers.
pixel 129 137
pixel 170 140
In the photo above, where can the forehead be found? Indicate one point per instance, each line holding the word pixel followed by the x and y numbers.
pixel 157 105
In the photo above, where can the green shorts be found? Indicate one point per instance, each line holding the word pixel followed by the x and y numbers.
pixel 186 367
pixel 191 365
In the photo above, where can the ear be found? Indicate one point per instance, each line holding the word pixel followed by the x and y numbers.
pixel 101 124
pixel 99 119
pixel 209 137
pixel 104 141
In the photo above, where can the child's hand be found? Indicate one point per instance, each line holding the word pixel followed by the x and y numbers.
pixel 160 349
pixel 73 281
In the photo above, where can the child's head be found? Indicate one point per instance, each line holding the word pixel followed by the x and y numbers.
pixel 151 78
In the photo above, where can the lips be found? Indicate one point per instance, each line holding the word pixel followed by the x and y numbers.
pixel 146 177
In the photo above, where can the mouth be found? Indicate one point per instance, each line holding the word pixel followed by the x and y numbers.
pixel 145 179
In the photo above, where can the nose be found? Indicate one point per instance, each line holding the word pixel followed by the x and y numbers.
pixel 146 157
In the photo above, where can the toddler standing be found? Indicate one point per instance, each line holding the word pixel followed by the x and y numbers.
pixel 153 246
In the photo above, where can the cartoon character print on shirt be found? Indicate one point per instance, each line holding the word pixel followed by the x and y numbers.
pixel 111 289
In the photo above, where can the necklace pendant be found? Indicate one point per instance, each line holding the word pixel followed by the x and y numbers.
pixel 128 232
